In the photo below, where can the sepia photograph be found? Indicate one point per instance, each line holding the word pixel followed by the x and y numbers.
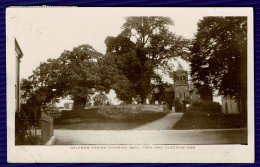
pixel 135 78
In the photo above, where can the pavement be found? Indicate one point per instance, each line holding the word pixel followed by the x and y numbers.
pixel 156 132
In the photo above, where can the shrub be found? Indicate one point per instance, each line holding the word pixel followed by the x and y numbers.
pixel 22 135
pixel 206 106
pixel 20 128
pixel 32 140
pixel 179 107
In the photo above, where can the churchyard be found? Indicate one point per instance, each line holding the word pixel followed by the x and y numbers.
pixel 159 81
pixel 122 117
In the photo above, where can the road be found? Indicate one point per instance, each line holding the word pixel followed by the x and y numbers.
pixel 157 132
pixel 212 136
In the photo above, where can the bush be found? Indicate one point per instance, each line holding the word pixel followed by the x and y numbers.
pixel 180 107
pixel 196 104
pixel 22 135
pixel 206 106
pixel 211 106
pixel 32 140
pixel 20 128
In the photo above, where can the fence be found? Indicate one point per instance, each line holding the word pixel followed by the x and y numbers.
pixel 46 127
pixel 55 115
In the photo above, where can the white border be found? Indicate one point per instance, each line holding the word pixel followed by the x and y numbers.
pixel 201 153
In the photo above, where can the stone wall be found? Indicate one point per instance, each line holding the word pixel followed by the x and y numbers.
pixel 130 108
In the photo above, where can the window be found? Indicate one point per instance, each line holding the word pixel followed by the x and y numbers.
pixel 184 94
pixel 180 95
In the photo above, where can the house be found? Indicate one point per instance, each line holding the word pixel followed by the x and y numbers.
pixel 13 60
pixel 230 105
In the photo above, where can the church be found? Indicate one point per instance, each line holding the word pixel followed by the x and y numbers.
pixel 181 92
pixel 181 84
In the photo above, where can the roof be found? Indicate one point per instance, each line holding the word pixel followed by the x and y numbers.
pixel 155 90
pixel 180 68
pixel 170 89
pixel 18 49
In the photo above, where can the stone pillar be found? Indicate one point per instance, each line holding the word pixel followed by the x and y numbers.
pixel 46 128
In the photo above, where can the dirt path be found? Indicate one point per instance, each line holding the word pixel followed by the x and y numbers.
pixel 164 123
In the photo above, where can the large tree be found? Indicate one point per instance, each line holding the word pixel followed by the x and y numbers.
pixel 75 73
pixel 219 56
pixel 143 44
pixel 113 78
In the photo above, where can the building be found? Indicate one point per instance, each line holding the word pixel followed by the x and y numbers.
pixel 13 60
pixel 181 84
pixel 230 106
pixel 65 103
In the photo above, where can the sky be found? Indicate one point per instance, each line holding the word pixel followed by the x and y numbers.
pixel 44 33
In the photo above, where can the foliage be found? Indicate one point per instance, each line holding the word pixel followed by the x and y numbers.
pixel 20 130
pixel 100 99
pixel 219 55
pixel 144 43
pixel 158 89
pixel 127 67
pixel 113 78
pixel 206 106
pixel 180 107
pixel 74 73
pixel 27 88
pixel 22 124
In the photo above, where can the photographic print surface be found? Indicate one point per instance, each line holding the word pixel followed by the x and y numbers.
pixel 130 80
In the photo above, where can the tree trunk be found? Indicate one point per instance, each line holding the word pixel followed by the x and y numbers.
pixel 206 93
pixel 79 104
pixel 143 99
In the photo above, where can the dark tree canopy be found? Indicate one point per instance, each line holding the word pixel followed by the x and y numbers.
pixel 143 44
pixel 113 77
pixel 219 56
pixel 74 73
pixel 153 34
pixel 127 67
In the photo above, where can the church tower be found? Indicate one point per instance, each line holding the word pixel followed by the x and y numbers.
pixel 181 84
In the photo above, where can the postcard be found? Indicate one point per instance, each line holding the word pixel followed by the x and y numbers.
pixel 147 84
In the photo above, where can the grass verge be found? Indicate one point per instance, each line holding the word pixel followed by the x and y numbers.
pixel 115 121
pixel 203 120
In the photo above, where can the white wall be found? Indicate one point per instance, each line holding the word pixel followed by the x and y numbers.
pixel 229 106
pixel 11 78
